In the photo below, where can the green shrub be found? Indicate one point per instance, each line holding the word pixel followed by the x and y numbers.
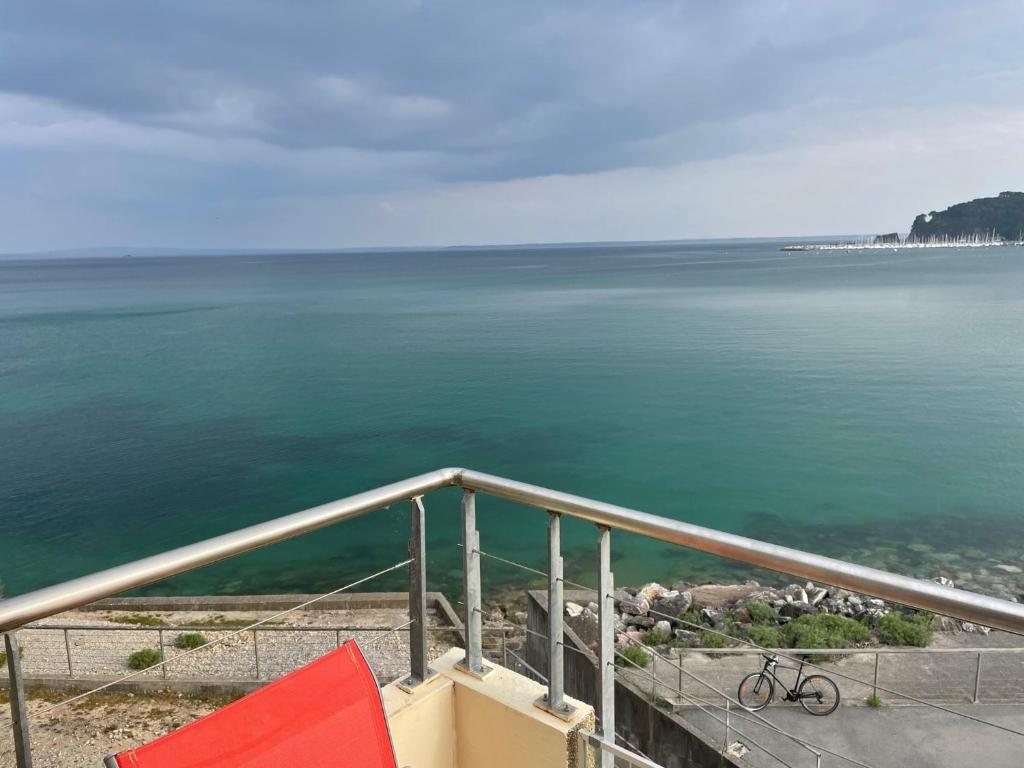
pixel 873 701
pixel 140 620
pixel 824 630
pixel 3 656
pixel 766 637
pixel 760 613
pixel 690 619
pixel 144 659
pixel 633 656
pixel 189 640
pixel 898 629
pixel 708 639
pixel 657 637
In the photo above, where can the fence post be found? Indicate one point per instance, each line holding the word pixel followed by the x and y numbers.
pixel 256 653
pixel 977 679
pixel 554 700
pixel 67 648
pixel 874 685
pixel 606 642
pixel 19 713
pixel 419 672
pixel 473 661
pixel 163 659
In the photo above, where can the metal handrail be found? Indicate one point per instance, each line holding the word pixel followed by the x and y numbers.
pixel 993 612
pixel 589 740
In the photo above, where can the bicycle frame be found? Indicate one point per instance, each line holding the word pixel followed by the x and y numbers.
pixel 792 693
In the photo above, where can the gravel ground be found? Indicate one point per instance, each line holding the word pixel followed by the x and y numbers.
pixel 103 654
pixel 81 734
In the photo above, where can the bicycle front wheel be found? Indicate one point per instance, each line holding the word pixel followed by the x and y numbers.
pixel 756 691
pixel 818 695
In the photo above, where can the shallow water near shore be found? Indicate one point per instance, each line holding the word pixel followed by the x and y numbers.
pixel 867 405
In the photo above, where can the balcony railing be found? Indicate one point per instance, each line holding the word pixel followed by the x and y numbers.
pixel 16 612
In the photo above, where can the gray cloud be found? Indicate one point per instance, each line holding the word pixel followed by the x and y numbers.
pixel 265 100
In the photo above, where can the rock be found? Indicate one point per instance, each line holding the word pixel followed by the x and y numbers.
pixel 1009 568
pixel 593 607
pixel 945 624
pixel 573 609
pixel 942 581
pixel 794 610
pixel 685 636
pixel 801 596
pixel 642 622
pixel 635 606
pixel 712 616
pixel 855 601
pixel 674 605
pixel 741 615
pixel 874 602
pixel 663 627
pixel 789 599
pixel 651 591
pixel 818 595
pixel 809 586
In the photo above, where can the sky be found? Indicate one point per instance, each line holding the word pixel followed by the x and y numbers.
pixel 260 124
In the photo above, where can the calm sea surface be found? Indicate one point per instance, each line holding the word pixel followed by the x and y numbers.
pixel 865 404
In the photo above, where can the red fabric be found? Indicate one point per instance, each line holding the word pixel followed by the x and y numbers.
pixel 327 714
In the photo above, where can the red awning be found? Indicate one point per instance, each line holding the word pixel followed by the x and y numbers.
pixel 327 714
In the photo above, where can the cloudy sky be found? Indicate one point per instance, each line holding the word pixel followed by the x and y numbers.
pixel 252 123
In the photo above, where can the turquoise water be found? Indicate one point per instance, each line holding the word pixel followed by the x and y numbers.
pixel 863 404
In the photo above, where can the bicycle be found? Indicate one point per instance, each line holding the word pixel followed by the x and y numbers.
pixel 816 693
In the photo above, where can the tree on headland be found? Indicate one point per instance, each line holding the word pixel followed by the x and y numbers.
pixel 1002 216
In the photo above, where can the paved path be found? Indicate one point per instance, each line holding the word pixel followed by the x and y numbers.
pixel 933 677
pixel 900 737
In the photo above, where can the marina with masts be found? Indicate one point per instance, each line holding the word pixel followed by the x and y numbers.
pixel 895 242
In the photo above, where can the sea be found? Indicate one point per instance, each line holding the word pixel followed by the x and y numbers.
pixel 860 404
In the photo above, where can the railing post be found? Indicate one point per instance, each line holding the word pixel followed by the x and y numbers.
pixel 19 713
pixel 554 700
pixel 67 648
pixel 725 743
pixel 977 678
pixel 419 672
pixel 606 642
pixel 473 662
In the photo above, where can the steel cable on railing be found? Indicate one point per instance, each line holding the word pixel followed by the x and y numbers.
pixel 231 634
pixel 504 620
pixel 777 652
pixel 760 719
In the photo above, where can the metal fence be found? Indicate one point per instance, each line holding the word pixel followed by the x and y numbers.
pixel 16 612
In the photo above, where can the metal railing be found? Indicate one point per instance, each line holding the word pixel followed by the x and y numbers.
pixel 591 749
pixel 18 611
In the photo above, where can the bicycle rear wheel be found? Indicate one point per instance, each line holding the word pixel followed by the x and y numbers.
pixel 756 691
pixel 818 695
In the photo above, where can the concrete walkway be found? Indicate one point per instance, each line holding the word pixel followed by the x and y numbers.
pixel 901 737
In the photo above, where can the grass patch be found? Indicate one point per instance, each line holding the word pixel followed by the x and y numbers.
pixel 188 641
pixel 139 620
pixel 3 656
pixel 766 637
pixel 691 619
pixel 657 637
pixel 633 656
pixel 144 659
pixel 899 629
pixel 760 612
pixel 222 622
pixel 873 701
pixel 824 630
pixel 706 639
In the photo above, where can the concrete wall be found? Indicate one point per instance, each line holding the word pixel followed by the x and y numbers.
pixel 665 738
pixel 460 721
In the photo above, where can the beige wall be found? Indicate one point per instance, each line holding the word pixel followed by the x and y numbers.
pixel 458 721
